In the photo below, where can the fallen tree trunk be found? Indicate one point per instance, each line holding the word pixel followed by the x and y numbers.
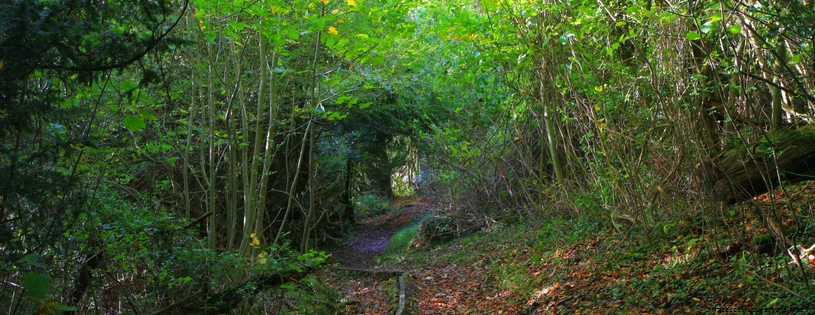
pixel 737 175
pixel 225 301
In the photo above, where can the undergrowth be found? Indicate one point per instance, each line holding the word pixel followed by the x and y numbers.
pixel 580 265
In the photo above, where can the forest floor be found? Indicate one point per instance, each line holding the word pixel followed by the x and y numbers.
pixel 718 264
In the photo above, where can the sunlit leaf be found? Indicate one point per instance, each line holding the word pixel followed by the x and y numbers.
pixel 735 29
pixel 692 35
pixel 707 27
pixel 715 18
pixel 351 3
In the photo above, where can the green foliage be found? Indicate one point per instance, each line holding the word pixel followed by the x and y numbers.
pixel 37 285
pixel 438 228
pixel 371 205
pixel 112 130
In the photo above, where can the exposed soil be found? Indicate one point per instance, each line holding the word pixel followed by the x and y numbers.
pixel 359 250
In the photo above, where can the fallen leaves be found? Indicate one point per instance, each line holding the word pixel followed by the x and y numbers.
pixel 506 272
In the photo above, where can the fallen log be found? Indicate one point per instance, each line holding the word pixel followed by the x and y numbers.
pixel 225 301
pixel 785 156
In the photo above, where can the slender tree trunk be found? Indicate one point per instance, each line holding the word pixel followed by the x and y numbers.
pixel 348 216
pixel 775 91
pixel 550 134
pixel 234 142
pixel 290 204
pixel 186 170
pixel 212 234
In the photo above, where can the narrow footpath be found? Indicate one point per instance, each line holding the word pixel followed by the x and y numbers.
pixel 365 286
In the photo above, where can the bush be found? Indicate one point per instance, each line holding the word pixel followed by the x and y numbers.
pixel 371 204
pixel 438 228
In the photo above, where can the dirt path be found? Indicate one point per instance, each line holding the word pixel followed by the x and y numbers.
pixel 359 250
pixel 365 288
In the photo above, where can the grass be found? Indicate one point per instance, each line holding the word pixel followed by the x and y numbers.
pixel 401 243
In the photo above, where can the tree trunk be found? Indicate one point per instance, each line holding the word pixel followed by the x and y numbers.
pixel 786 156
pixel 380 169
pixel 345 199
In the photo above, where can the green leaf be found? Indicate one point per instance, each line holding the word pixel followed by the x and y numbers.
pixel 715 18
pixel 564 39
pixel 294 35
pixel 692 35
pixel 707 27
pixel 735 29
pixel 127 85
pixel 377 60
pixel 36 285
pixel 68 102
pixel 147 115
pixel 364 105
pixel 795 59
pixel 134 123
pixel 342 99
pixel 210 37
pixel 32 259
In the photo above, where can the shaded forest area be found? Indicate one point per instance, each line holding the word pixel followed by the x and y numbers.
pixel 180 157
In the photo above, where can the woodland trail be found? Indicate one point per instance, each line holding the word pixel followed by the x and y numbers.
pixel 359 250
pixel 364 286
